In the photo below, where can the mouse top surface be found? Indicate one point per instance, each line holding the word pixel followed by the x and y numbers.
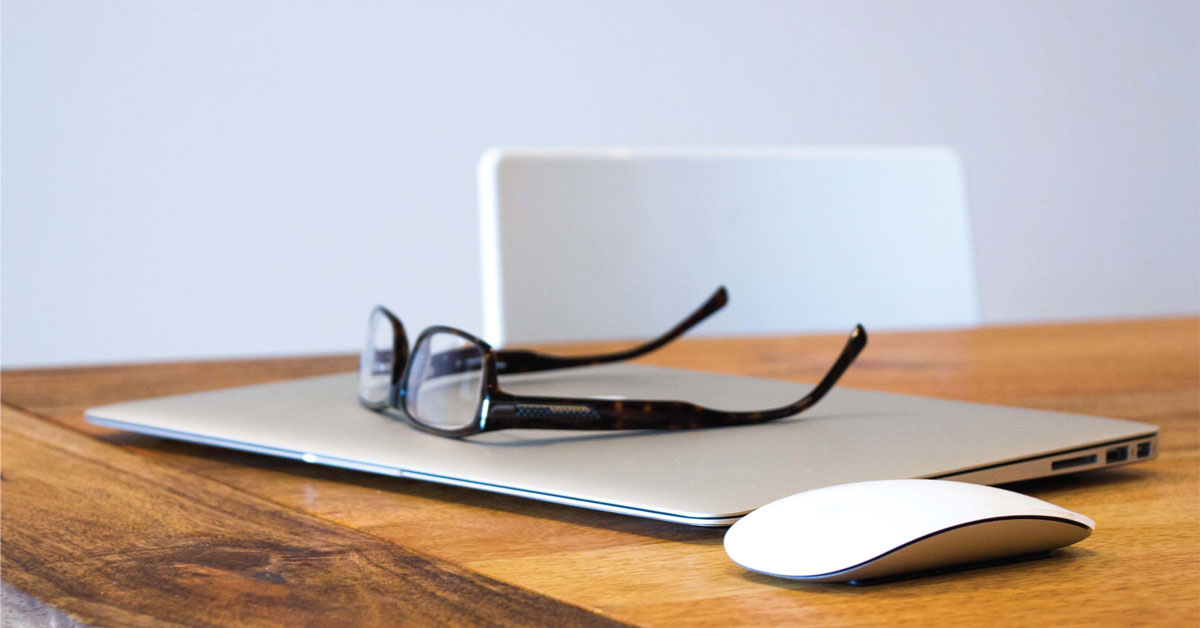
pixel 842 528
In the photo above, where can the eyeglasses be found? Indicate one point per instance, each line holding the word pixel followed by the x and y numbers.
pixel 449 385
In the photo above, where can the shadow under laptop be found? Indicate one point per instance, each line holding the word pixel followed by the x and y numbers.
pixel 1040 487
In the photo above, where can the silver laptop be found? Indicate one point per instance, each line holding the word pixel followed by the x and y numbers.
pixel 705 477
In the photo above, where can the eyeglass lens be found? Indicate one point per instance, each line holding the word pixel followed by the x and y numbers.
pixel 375 364
pixel 444 384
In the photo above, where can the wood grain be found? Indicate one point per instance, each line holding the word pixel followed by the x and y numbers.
pixel 1142 567
pixel 117 539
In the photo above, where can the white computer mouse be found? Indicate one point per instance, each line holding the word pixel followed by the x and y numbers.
pixel 869 530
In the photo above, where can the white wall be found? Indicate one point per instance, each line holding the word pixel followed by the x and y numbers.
pixel 190 179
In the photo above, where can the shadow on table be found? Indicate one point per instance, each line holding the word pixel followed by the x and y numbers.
pixel 974 575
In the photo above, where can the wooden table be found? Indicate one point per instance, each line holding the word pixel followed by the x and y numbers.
pixel 110 528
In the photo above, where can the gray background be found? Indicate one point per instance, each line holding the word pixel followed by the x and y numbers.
pixel 195 179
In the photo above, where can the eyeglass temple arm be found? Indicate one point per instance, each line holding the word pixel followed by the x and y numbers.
pixel 510 361
pixel 628 414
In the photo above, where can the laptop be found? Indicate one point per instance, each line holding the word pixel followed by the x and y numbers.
pixel 703 477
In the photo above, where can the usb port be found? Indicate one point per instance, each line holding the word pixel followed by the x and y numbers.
pixel 1143 449
pixel 1067 463
pixel 1117 454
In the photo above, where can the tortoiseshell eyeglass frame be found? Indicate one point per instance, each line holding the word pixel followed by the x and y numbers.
pixel 498 409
